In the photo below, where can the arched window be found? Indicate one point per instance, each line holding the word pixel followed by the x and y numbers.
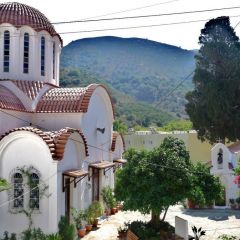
pixel 220 158
pixel 18 191
pixel 54 54
pixel 6 51
pixel 43 56
pixel 26 53
pixel 34 191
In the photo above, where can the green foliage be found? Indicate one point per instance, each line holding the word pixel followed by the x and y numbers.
pixel 205 188
pixel 6 236
pixel 198 233
pixel 128 111
pixel 33 234
pixel 119 126
pixel 78 217
pixel 213 105
pixel 140 68
pixel 108 197
pixel 4 185
pixel 66 230
pixel 145 182
pixel 94 211
pixel 228 237
pixel 180 125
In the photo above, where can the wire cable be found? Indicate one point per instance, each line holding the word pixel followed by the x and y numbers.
pixel 147 16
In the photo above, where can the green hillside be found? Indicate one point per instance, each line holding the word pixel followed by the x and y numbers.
pixel 127 109
pixel 138 71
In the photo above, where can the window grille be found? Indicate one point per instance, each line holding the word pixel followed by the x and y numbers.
pixel 6 51
pixel 26 53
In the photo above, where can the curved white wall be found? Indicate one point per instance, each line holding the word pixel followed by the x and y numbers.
pixel 21 149
pixel 16 54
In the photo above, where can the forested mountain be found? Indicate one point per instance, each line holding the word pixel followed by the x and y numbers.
pixel 137 70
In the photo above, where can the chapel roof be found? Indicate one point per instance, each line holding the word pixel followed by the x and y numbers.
pixel 8 100
pixel 235 147
pixel 56 141
pixel 19 15
pixel 114 140
pixel 58 100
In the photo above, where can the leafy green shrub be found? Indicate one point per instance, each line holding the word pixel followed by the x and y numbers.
pixel 66 230
pixel 108 197
pixel 228 237
pixel 142 229
pixel 33 234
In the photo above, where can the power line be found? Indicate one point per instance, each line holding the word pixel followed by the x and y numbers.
pixel 175 88
pixel 141 26
pixel 157 165
pixel 130 10
pixel 147 16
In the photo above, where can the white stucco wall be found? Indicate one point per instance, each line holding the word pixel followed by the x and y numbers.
pixel 225 174
pixel 13 119
pixel 21 149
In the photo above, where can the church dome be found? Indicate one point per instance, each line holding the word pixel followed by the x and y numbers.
pixel 19 15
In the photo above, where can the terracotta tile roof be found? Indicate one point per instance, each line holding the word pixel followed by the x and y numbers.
pixel 235 147
pixel 19 15
pixel 30 88
pixel 114 139
pixel 56 141
pixel 9 101
pixel 66 99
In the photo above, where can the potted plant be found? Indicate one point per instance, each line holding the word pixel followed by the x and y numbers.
pixel 78 217
pixel 122 232
pixel 238 202
pixel 89 218
pixel 232 203
pixel 109 199
pixel 95 210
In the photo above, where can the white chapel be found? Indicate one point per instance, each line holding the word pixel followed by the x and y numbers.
pixel 62 137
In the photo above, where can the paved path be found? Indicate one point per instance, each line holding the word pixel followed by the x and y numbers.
pixel 215 222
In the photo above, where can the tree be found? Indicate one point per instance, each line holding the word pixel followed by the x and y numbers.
pixel 119 126
pixel 213 105
pixel 153 180
pixel 4 185
pixel 205 188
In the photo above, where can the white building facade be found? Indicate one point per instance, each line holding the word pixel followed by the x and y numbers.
pixel 59 139
pixel 224 160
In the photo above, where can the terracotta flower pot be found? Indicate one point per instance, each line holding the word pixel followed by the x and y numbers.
pixel 122 235
pixel 89 227
pixel 95 222
pixel 191 204
pixel 82 232
pixel 108 212
pixel 113 210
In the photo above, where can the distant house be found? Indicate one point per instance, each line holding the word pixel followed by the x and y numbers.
pixel 224 160
pixel 61 138
pixel 198 150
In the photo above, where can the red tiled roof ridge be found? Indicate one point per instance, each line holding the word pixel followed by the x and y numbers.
pixel 56 141
pixel 19 14
pixel 115 134
pixel 68 99
pixel 235 147
pixel 8 100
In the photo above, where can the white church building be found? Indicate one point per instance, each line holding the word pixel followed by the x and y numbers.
pixel 61 138
pixel 224 160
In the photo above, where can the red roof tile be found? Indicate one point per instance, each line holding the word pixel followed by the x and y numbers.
pixel 30 88
pixel 114 139
pixel 19 14
pixel 235 147
pixel 56 141
pixel 66 99
pixel 9 101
